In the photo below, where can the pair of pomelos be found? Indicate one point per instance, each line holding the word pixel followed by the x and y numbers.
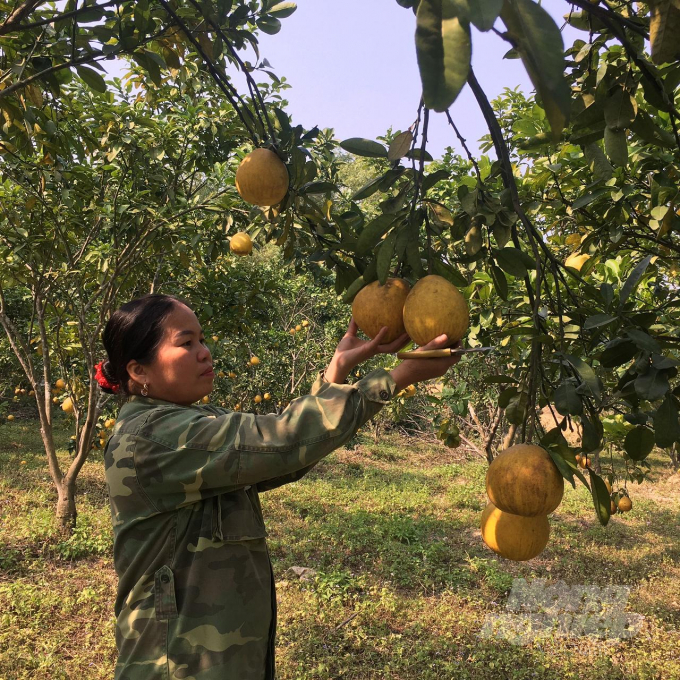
pixel 433 307
pixel 524 486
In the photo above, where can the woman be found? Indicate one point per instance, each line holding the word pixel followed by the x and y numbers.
pixel 196 597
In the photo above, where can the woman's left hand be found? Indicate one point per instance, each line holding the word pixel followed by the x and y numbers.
pixel 351 351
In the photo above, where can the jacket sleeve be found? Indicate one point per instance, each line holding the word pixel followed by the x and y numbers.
pixel 183 455
pixel 270 484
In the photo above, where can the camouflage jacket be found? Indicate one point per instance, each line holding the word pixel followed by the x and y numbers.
pixel 196 597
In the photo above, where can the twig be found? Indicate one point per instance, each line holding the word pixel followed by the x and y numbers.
pixel 346 621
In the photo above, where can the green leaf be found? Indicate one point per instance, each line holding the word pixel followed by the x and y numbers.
pixel 583 201
pixel 91 78
pixel 601 499
pixel 652 385
pixel 364 147
pixel 616 146
pixel 597 162
pixel 385 256
pixel 539 41
pixel 368 189
pixel 666 423
pixel 269 25
pixel 598 320
pixel 617 352
pixel 500 283
pixel 513 261
pixel 567 401
pixel 415 154
pixel 586 373
pixel 645 128
pixel 591 439
pixel 371 233
pixel 430 180
pixel 620 109
pixel 449 273
pixel 354 288
pixel 400 146
pixel 483 13
pixel 318 188
pixel 443 49
pixel 516 411
pixel 282 9
pixel 633 279
pixel 643 340
pixel 561 463
pixel 639 443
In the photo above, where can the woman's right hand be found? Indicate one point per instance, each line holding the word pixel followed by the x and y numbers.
pixel 411 371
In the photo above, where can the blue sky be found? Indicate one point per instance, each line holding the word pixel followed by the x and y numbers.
pixel 352 66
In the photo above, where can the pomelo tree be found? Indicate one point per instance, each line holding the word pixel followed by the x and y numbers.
pixel 594 159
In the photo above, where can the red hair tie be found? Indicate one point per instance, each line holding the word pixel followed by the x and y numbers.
pixel 101 379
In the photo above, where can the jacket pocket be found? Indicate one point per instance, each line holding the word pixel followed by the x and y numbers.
pixel 164 594
pixel 237 516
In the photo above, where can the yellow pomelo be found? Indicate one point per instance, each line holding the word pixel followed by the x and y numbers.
pixel 576 261
pixel 257 399
pixel 433 307
pixel 10 417
pixel 262 178
pixel 60 384
pixel 513 536
pixel 523 480
pixel 625 504
pixel 241 244
pixel 67 405
pixel 376 306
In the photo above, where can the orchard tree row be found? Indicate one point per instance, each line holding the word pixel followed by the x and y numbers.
pixel 564 239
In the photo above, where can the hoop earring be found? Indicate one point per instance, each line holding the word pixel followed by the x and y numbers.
pixel 145 391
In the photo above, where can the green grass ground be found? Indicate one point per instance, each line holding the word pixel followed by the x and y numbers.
pixel 403 581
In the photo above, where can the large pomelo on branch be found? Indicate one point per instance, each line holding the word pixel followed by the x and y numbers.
pixel 524 480
pixel 513 536
pixel 375 306
pixel 241 244
pixel 262 178
pixel 435 306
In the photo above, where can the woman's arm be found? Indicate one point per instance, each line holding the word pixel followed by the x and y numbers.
pixel 182 455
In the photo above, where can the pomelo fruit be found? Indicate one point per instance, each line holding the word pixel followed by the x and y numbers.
pixel 435 306
pixel 241 244
pixel 513 536
pixel 625 504
pixel 375 306
pixel 262 178
pixel 523 480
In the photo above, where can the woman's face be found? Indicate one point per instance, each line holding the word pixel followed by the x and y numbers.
pixel 182 372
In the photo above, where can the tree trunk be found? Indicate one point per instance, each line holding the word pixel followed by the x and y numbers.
pixel 509 437
pixel 597 467
pixel 488 444
pixel 66 506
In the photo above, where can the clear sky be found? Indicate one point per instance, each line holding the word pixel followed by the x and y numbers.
pixel 352 66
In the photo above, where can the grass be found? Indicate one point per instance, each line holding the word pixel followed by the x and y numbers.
pixel 403 581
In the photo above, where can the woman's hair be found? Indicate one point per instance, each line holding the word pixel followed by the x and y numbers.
pixel 135 332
